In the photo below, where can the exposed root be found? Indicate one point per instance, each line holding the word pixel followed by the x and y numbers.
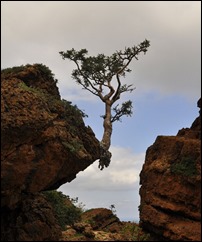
pixel 105 158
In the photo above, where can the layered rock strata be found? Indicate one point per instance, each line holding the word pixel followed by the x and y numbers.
pixel 171 186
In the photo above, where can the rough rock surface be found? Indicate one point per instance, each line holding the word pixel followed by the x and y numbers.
pixel 32 220
pixel 44 141
pixel 171 186
pixel 101 218
pixel 101 224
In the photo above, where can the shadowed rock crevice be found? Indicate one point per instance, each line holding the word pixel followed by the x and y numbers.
pixel 32 220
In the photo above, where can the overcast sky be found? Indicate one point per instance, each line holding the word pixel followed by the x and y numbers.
pixel 167 78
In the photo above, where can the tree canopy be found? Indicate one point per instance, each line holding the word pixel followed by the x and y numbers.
pixel 101 75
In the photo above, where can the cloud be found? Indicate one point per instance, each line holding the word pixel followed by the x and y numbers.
pixel 118 184
pixel 34 32
pixel 122 173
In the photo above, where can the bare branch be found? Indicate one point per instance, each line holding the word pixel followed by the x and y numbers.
pixel 117 94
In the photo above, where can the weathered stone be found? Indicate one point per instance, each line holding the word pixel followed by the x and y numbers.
pixel 101 218
pixel 44 141
pixel 171 186
pixel 33 220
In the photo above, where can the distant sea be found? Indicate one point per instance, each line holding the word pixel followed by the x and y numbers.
pixel 129 220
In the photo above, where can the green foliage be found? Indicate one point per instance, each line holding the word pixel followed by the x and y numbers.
pixel 73 110
pixel 15 69
pixel 101 68
pixel 74 116
pixel 95 73
pixel 135 233
pixel 74 146
pixel 126 109
pixel 186 166
pixel 101 75
pixel 66 212
pixel 37 91
pixel 71 113
pixel 44 70
pixel 80 205
pixel 25 87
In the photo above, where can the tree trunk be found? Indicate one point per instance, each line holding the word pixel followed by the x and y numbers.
pixel 105 143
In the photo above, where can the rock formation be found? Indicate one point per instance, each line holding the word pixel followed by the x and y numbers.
pixel 102 218
pixel 171 186
pixel 101 224
pixel 44 144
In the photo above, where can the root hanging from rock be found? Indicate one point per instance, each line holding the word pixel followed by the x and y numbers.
pixel 105 158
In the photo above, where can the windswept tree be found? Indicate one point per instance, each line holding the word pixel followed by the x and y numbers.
pixel 101 76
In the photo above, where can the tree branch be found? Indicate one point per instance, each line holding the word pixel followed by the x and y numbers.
pixel 117 94
pixel 126 109
pixel 98 92
pixel 95 74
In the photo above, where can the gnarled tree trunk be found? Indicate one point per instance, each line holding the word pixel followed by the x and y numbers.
pixel 105 143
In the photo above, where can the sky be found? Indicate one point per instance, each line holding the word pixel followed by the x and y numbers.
pixel 167 79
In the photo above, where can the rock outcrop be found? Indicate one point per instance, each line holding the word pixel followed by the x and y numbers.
pixel 101 224
pixel 102 218
pixel 171 186
pixel 32 220
pixel 44 141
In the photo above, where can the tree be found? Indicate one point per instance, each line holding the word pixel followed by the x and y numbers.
pixel 112 207
pixel 100 75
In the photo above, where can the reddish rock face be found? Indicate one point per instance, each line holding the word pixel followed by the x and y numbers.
pixel 44 142
pixel 171 186
pixel 101 218
pixel 33 220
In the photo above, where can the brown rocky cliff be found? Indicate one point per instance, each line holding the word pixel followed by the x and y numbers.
pixel 101 224
pixel 170 190
pixel 44 141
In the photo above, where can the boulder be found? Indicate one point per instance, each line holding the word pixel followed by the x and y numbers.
pixel 44 141
pixel 171 186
